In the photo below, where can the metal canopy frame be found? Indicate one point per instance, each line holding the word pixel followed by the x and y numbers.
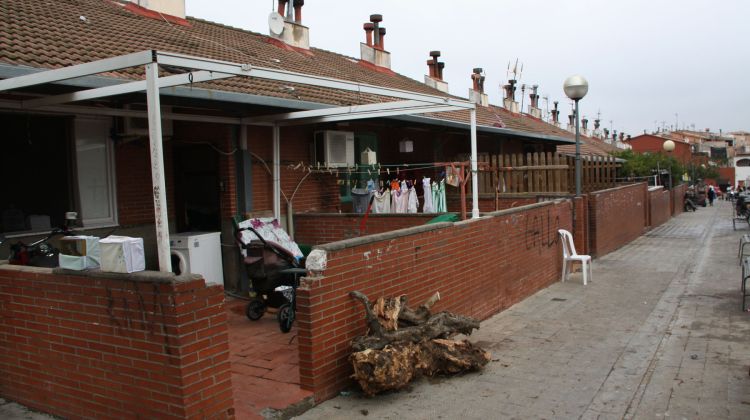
pixel 202 70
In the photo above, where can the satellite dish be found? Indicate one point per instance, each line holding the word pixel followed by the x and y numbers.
pixel 276 23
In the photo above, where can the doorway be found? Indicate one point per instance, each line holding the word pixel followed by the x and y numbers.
pixel 197 191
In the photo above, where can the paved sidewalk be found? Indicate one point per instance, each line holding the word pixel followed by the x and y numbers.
pixel 657 334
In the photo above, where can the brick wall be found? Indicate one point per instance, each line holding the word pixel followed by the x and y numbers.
pixel 322 228
pixel 135 199
pixel 659 207
pixel 148 345
pixel 616 217
pixel 480 267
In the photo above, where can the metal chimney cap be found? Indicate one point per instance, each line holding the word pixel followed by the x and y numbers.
pixel 435 54
pixel 477 70
pixel 381 30
pixel 368 26
pixel 376 18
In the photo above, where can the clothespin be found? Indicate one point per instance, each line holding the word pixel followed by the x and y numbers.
pixel 388 170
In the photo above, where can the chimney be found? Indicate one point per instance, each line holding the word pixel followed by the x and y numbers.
pixel 293 32
pixel 534 109
pixel 510 97
pixel 476 93
pixel 373 51
pixel 606 133
pixel 168 7
pixel 585 126
pixel 555 115
pixel 597 132
pixel 435 78
pixel 614 136
pixel 622 136
pixel 572 122
pixel 369 27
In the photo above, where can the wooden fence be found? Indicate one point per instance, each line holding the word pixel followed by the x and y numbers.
pixel 543 173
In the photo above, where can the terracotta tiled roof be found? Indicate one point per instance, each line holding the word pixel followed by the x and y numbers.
pixel 53 34
pixel 589 146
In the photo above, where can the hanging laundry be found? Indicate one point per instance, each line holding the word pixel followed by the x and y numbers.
pixel 438 197
pixel 412 201
pixel 360 200
pixel 381 202
pixel 400 198
pixel 371 185
pixel 452 175
pixel 428 205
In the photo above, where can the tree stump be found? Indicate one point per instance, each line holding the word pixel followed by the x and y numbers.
pixel 403 343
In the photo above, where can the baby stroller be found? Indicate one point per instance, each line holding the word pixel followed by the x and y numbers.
pixel 273 272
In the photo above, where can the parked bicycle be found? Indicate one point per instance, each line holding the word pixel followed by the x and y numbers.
pixel 40 253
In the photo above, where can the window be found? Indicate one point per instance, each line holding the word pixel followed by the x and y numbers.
pixel 52 165
pixel 743 162
pixel 94 162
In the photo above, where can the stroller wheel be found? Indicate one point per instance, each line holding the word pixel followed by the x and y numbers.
pixel 285 317
pixel 255 309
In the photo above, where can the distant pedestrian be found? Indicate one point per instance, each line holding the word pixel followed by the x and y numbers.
pixel 711 195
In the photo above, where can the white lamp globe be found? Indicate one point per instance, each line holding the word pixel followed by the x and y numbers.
pixel 668 146
pixel 576 87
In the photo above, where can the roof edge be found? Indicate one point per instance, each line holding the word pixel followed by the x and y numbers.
pixel 10 70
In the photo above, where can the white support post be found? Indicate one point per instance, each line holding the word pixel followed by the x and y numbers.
pixel 157 167
pixel 474 168
pixel 277 172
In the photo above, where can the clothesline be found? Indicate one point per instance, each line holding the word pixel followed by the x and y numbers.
pixel 377 168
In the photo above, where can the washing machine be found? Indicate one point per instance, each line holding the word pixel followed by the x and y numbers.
pixel 197 253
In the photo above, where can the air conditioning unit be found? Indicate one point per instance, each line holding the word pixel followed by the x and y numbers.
pixel 133 126
pixel 334 149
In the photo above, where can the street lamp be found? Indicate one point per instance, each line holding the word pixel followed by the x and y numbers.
pixel 575 88
pixel 668 147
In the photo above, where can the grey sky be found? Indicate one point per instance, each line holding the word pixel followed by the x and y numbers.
pixel 645 60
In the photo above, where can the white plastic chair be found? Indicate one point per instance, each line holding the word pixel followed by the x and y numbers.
pixel 570 255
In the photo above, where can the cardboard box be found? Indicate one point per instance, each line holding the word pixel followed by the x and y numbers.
pixel 79 252
pixel 122 254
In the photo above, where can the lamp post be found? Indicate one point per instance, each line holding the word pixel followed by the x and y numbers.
pixel 575 88
pixel 668 147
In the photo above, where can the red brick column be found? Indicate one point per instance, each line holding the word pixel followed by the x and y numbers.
pixel 100 345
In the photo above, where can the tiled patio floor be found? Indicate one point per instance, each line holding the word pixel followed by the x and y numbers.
pixel 265 363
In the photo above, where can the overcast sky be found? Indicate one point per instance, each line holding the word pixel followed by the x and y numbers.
pixel 645 60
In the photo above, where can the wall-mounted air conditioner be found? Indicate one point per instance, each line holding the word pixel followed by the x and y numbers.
pixel 334 149
pixel 133 126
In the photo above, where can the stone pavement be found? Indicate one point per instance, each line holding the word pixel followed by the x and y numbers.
pixel 658 333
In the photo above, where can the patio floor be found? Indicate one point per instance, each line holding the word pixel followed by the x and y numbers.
pixel 265 363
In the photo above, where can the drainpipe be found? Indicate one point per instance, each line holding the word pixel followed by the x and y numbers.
pixel 277 172
pixel 474 169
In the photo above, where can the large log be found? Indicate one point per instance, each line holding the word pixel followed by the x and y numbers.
pixel 388 358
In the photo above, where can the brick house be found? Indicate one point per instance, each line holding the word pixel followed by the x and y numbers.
pixel 92 156
pixel 647 143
